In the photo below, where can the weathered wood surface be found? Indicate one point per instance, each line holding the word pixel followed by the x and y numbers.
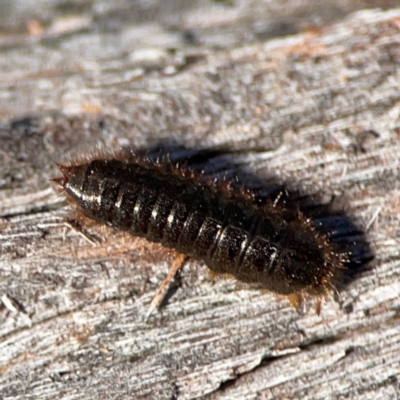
pixel 318 111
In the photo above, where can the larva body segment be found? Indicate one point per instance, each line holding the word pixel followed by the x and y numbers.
pixel 226 230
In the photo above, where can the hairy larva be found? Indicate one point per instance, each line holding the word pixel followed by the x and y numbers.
pixel 205 220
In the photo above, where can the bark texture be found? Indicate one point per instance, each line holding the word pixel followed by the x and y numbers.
pixel 302 98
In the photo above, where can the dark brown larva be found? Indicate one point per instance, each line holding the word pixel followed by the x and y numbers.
pixel 205 221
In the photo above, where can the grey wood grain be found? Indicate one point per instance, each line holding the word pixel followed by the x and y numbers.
pixel 317 112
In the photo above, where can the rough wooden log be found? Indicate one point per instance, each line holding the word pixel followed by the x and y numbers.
pixel 317 113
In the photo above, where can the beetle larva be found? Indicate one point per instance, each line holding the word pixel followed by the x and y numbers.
pixel 206 221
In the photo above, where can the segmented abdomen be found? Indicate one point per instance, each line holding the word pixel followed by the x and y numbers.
pixel 228 232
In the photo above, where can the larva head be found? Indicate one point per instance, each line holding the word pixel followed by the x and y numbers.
pixel 79 186
pixel 72 180
pixel 94 187
pixel 65 170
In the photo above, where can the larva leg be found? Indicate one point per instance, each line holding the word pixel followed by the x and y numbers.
pixel 162 290
pixel 318 306
pixel 215 275
pixel 76 226
pixel 296 300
